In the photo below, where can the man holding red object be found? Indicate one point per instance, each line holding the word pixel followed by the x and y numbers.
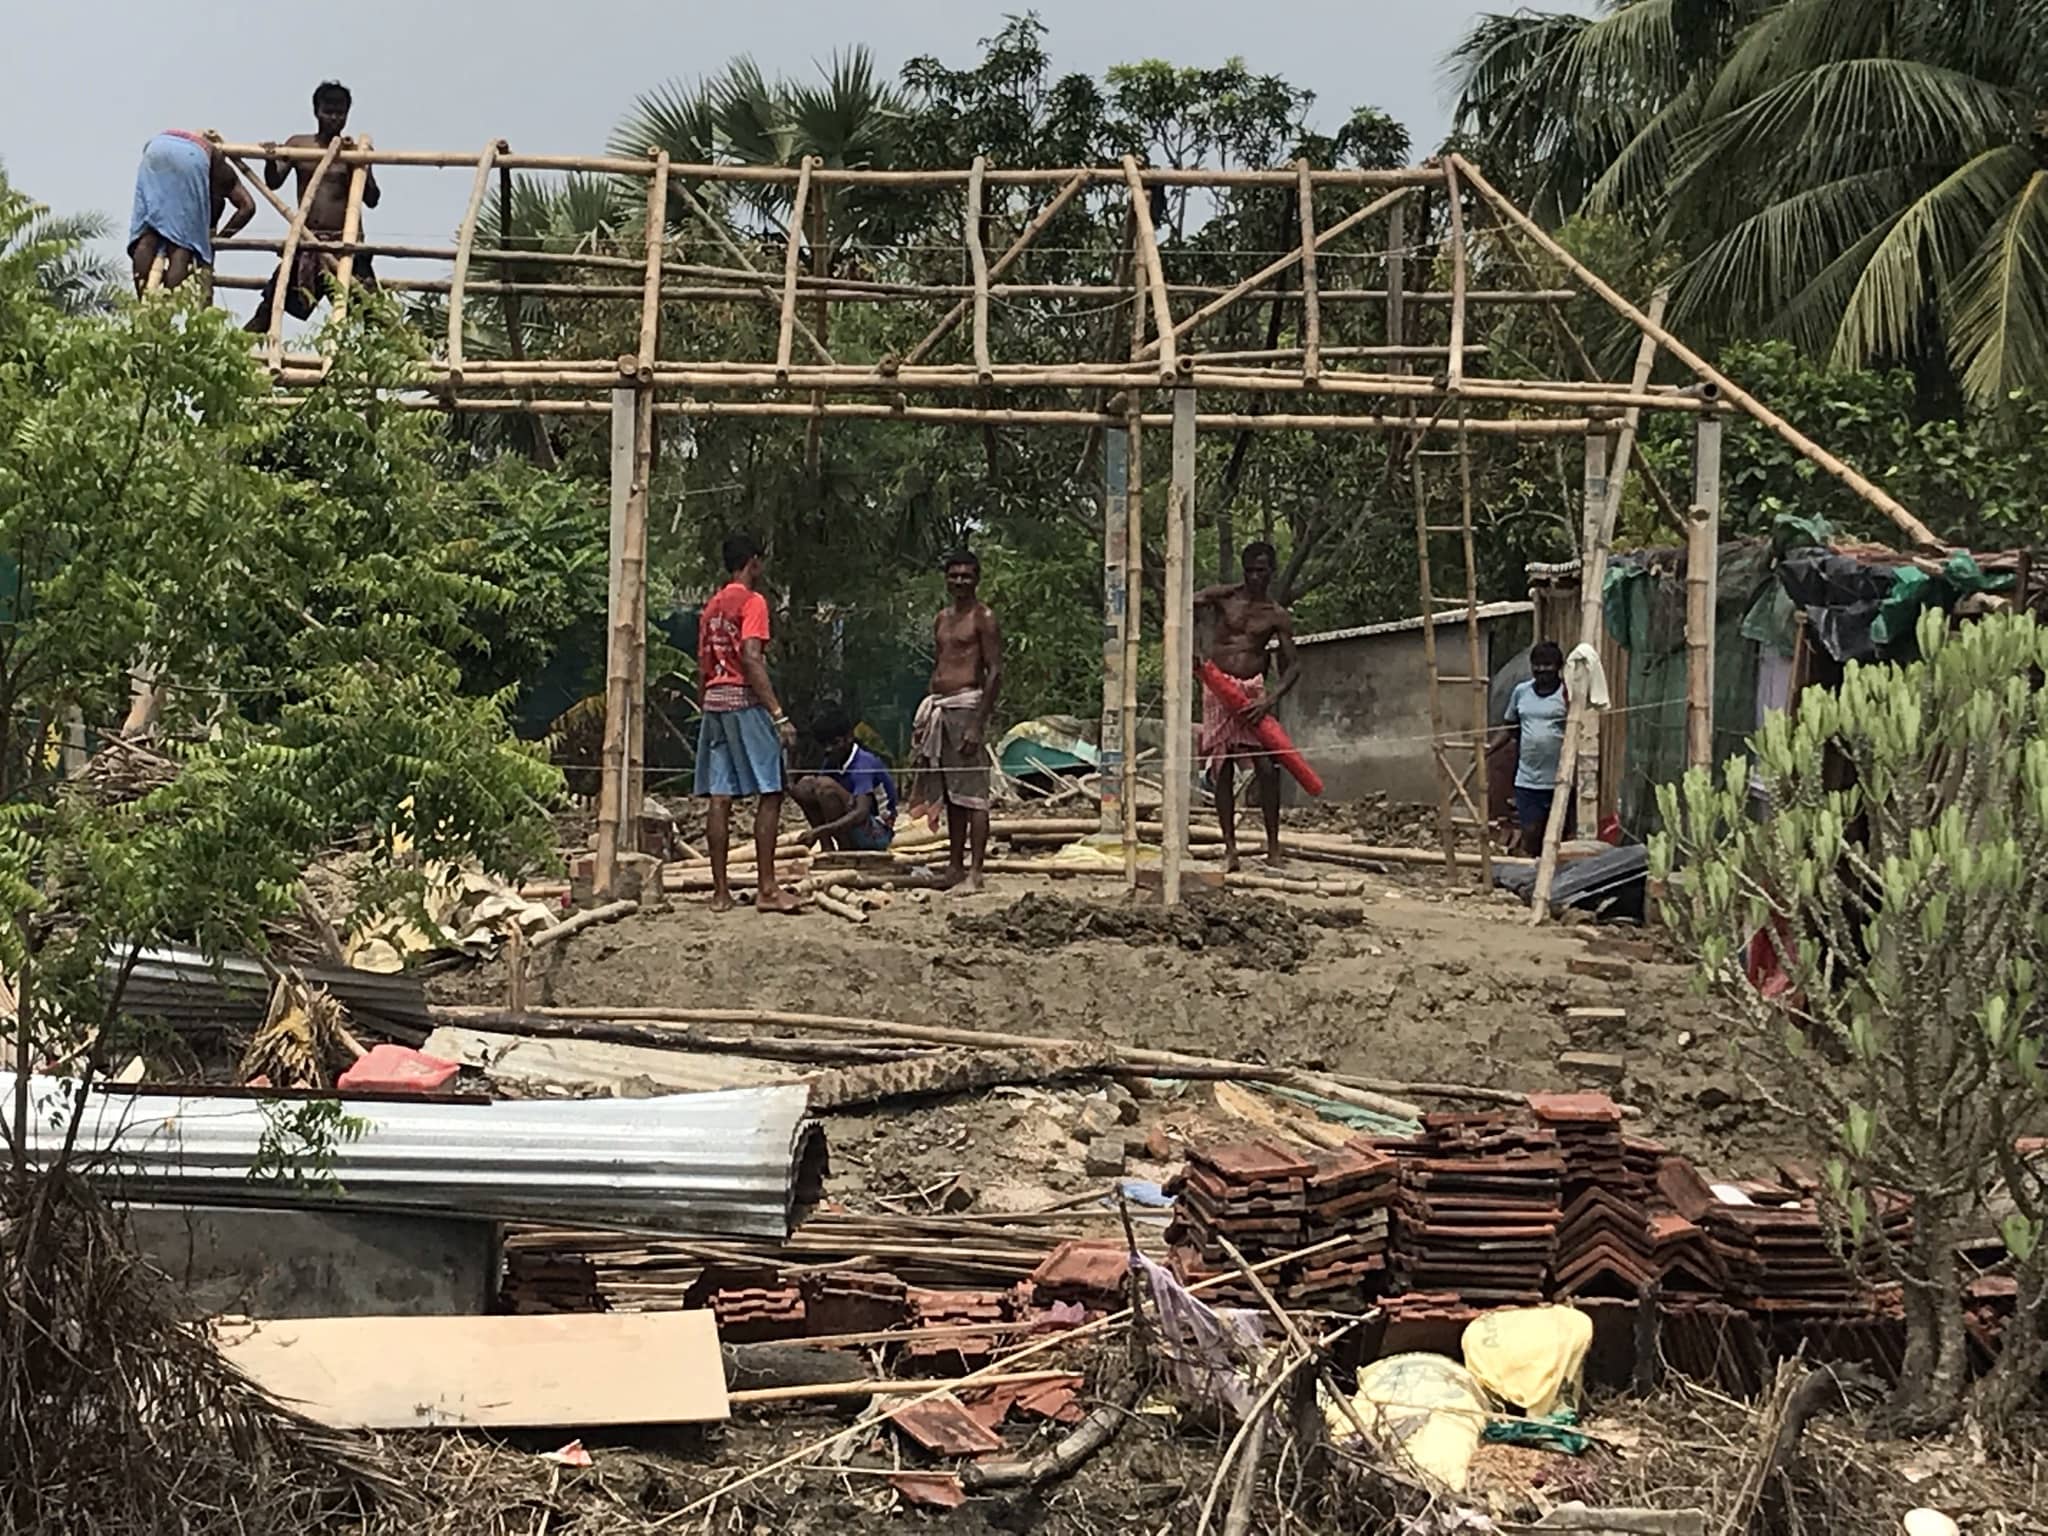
pixel 1246 625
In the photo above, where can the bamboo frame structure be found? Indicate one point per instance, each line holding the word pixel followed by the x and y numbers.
pixel 1332 378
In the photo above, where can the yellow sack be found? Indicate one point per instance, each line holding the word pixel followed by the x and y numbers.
pixel 1529 1356
pixel 1424 1408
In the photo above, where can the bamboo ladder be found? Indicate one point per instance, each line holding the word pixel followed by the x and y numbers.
pixel 1457 753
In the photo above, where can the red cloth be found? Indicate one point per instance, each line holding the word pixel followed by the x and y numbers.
pixel 732 618
pixel 1235 693
pixel 1224 733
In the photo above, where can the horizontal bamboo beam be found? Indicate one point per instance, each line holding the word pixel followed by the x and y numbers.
pixel 771 175
pixel 1220 421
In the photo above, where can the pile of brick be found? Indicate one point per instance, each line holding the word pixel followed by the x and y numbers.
pixel 1479 1208
pixel 1269 1201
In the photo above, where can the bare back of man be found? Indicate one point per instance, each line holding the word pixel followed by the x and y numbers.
pixel 1246 625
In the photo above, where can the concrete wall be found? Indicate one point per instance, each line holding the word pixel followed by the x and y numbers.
pixel 1360 713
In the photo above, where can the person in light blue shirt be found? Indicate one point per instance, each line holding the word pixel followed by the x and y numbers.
pixel 851 803
pixel 1536 710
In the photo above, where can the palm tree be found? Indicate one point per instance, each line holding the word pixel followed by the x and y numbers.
pixel 1870 171
pixel 71 273
pixel 1865 176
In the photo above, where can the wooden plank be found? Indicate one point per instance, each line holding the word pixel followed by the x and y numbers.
pixel 1134 597
pixel 603 1065
pixel 791 264
pixel 1115 619
pixel 488 1372
pixel 618 665
pixel 465 242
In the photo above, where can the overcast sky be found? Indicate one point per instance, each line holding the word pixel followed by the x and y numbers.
pixel 88 83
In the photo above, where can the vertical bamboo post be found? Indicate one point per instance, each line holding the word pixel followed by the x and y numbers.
pixel 1397 273
pixel 1134 621
pixel 465 241
pixel 656 244
pixel 1311 299
pixel 978 265
pixel 1476 666
pixel 351 231
pixel 1447 832
pixel 637 500
pixel 1115 620
pixel 618 659
pixel 1702 559
pixel 289 256
pixel 1579 722
pixel 1454 371
pixel 1155 278
pixel 515 968
pixel 1180 653
pixel 792 265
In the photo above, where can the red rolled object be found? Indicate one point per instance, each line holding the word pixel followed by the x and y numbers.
pixel 1271 736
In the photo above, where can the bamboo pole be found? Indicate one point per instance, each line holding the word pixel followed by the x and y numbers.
pixel 1311 302
pixel 1730 391
pixel 618 667
pixel 1702 559
pixel 657 236
pixel 1476 668
pixel 1455 371
pixel 1003 263
pixel 1152 176
pixel 975 415
pixel 1134 624
pixel 1267 273
pixel 465 239
pixel 1179 663
pixel 274 343
pixel 351 228
pixel 792 257
pixel 977 262
pixel 639 497
pixel 1397 270
pixel 1447 832
pixel 718 230
pixel 1578 722
pixel 1115 624
pixel 1147 239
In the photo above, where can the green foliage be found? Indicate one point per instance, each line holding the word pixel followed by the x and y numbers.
pixel 303 582
pixel 299 1141
pixel 1910 912
pixel 1977 480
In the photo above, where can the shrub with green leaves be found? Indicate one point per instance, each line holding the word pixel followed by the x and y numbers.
pixel 1902 874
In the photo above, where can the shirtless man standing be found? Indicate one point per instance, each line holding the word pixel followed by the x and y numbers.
pixel 1245 622
pixel 949 766
pixel 327 216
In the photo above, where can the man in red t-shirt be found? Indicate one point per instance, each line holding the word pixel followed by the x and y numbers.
pixel 745 732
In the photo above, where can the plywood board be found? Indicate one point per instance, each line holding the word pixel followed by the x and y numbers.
pixel 488 1372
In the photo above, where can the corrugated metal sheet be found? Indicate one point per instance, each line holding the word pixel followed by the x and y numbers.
pixel 181 987
pixel 748 1162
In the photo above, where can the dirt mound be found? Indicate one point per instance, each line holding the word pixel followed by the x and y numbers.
pixel 1252 932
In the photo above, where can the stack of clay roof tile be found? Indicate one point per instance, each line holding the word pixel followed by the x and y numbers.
pixel 1270 1201
pixel 951 1309
pixel 752 1302
pixel 1774 1244
pixel 1479 1208
pixel 1604 1243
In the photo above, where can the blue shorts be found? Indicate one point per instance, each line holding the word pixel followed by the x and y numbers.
pixel 739 754
pixel 872 836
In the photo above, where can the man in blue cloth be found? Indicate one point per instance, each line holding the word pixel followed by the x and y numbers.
pixel 852 803
pixel 181 187
pixel 1538 709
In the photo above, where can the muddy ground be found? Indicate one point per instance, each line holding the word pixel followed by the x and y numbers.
pixel 1423 980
